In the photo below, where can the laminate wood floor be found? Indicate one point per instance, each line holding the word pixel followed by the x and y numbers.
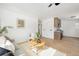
pixel 69 46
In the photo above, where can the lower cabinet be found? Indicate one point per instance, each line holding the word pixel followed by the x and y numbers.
pixel 58 35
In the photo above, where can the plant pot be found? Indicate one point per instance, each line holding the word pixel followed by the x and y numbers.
pixel 38 41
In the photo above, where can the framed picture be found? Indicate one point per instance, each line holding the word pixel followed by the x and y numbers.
pixel 20 23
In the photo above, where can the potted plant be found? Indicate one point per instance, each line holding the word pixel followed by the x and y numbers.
pixel 38 37
pixel 4 30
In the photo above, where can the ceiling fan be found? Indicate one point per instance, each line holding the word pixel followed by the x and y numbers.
pixel 56 4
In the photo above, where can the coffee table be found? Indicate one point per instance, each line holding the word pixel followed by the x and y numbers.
pixel 35 48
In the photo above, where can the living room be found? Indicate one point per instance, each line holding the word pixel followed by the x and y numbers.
pixel 22 23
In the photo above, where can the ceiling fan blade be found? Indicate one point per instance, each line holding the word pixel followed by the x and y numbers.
pixel 50 5
pixel 57 4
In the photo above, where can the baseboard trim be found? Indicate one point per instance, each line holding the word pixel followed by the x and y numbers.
pixel 47 38
pixel 71 37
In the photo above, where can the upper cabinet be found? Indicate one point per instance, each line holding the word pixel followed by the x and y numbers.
pixel 57 22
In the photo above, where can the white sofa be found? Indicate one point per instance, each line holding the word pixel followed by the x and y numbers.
pixel 7 44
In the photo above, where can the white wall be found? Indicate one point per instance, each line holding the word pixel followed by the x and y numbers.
pixel 9 18
pixel 48 28
pixel 0 16
pixel 70 27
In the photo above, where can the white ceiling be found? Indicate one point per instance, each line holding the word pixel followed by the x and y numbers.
pixel 41 9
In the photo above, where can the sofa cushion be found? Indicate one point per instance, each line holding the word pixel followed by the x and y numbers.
pixel 5 52
pixel 2 39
